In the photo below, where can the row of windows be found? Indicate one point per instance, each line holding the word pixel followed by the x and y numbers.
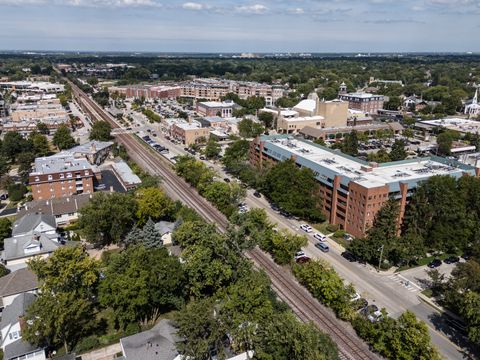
pixel 62 176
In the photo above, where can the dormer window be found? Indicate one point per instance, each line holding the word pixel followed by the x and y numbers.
pixel 69 175
pixel 50 177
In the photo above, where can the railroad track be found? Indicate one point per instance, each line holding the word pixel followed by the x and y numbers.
pixel 302 303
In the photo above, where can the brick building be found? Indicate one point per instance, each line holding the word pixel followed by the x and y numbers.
pixel 60 176
pixel 189 133
pixel 369 103
pixel 352 190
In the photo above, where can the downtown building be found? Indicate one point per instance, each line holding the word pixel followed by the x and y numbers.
pixel 352 190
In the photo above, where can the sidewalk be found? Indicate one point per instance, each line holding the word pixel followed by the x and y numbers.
pixel 106 353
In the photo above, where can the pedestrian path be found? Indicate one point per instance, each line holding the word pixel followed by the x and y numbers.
pixel 403 281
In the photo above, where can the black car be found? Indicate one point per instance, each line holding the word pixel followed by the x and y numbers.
pixel 435 263
pixel 285 213
pixel 349 256
pixel 451 260
pixel 257 194
pixel 227 180
pixel 275 207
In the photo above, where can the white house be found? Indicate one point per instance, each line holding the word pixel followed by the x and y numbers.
pixel 15 284
pixel 13 346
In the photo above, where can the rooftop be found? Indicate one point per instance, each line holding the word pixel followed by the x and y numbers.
pixel 126 174
pixel 17 282
pixel 306 105
pixel 91 148
pixel 457 124
pixel 362 95
pixel 217 104
pixel 318 157
pixel 28 223
pixel 59 163
pixel 188 126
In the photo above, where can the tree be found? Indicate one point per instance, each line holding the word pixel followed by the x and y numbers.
pixel 283 246
pixel 100 131
pixel 14 144
pixel 225 196
pixel 40 144
pixel 266 118
pixel 398 151
pixel 63 138
pixel 284 176
pixel 43 128
pixel 327 286
pixel 140 284
pixel 212 149
pixel 445 141
pixel 249 129
pixel 62 313
pixel 285 338
pixel 5 230
pixel 3 270
pixel 107 217
pixel 151 238
pixel 350 143
pixel 152 203
pixel 25 160
pixel 380 156
pixel 194 232
pixel 471 314
pixel 16 192
pixel 393 104
pixel 201 329
pixel 195 172
pixel 134 237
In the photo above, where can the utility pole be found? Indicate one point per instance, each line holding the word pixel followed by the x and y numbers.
pixel 381 254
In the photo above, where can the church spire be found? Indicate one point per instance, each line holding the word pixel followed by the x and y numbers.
pixel 475 98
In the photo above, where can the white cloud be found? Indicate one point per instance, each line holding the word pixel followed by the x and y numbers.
pixel 252 9
pixel 193 6
pixel 297 11
pixel 86 3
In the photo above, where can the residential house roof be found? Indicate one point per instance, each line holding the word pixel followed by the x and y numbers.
pixel 56 206
pixel 165 227
pixel 29 223
pixel 19 348
pixel 17 282
pixel 24 245
pixel 155 344
pixel 16 309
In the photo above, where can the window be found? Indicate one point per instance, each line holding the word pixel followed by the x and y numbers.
pixel 62 176
pixel 69 175
pixel 37 178
pixel 50 177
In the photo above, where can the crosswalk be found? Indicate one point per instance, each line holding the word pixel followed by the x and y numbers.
pixel 403 281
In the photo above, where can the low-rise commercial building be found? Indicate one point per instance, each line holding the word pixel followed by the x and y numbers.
pixel 32 86
pixel 213 122
pixel 222 109
pixel 365 102
pixel 127 177
pixel 313 133
pixel 61 175
pixel 352 190
pixel 189 133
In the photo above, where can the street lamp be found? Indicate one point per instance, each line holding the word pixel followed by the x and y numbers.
pixel 381 254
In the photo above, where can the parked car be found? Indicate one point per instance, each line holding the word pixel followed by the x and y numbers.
pixel 286 214
pixel 451 260
pixel 202 157
pixel 349 256
pixel 299 254
pixel 227 180
pixel 322 246
pixel 375 317
pixel 435 263
pixel 257 194
pixel 274 207
pixel 320 237
pixel 307 228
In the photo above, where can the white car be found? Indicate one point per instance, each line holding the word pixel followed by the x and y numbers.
pixel 320 237
pixel 355 297
pixel 299 254
pixel 306 228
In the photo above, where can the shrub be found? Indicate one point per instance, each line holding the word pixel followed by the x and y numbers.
pixel 332 227
pixel 87 343
pixel 339 233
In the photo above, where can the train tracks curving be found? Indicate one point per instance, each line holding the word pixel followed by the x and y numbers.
pixel 302 303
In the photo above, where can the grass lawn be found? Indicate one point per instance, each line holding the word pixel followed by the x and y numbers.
pixel 322 227
pixel 427 292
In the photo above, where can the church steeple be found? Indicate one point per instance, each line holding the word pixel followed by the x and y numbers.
pixel 475 98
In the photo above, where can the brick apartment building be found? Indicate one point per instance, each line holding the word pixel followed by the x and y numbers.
pixel 189 133
pixel 369 103
pixel 353 191
pixel 60 176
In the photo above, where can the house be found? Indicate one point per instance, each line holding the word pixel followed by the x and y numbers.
pixel 165 228
pixel 158 343
pixel 14 347
pixel 125 174
pixel 32 235
pixel 34 223
pixel 65 210
pixel 18 250
pixel 15 284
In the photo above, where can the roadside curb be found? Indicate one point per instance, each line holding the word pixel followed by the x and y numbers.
pixel 439 308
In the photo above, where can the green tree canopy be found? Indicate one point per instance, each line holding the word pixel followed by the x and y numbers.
pixel 107 217
pixel 63 138
pixel 101 131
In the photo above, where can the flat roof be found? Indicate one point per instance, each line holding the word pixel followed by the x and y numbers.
pixel 217 104
pixel 304 118
pixel 457 124
pixel 319 159
pixel 361 95
pixel 126 174
pixel 56 163
pixel 188 126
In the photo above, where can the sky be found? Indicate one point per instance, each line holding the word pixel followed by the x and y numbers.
pixel 241 25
